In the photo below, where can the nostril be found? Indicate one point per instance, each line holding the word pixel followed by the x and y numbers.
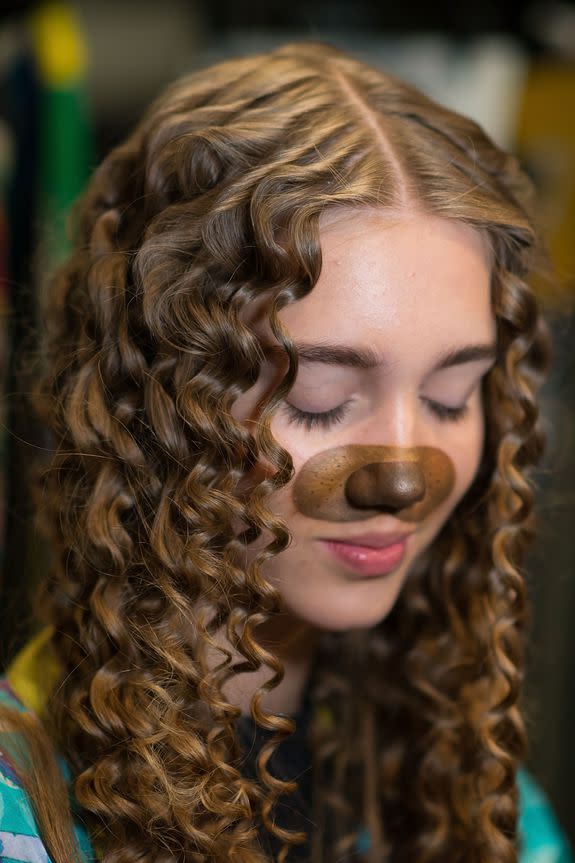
pixel 391 486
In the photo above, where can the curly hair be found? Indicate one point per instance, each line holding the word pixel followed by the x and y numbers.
pixel 213 203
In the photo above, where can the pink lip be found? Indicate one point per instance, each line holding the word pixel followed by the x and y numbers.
pixel 374 540
pixel 370 554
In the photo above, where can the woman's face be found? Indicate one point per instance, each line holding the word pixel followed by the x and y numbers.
pixel 413 292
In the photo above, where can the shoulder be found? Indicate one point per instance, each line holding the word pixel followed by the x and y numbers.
pixel 20 839
pixel 542 840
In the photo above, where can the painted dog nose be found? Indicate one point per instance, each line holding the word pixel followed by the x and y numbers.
pixel 389 486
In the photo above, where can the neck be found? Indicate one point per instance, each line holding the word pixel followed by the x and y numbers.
pixel 294 643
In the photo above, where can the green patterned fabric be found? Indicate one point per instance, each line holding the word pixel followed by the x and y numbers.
pixel 542 839
pixel 20 840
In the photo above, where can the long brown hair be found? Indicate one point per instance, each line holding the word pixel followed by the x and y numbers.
pixel 213 201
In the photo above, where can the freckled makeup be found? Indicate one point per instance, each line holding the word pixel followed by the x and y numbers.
pixel 356 482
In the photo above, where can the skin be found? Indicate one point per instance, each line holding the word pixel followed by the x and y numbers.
pixel 411 287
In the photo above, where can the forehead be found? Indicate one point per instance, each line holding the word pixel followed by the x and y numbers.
pixel 411 282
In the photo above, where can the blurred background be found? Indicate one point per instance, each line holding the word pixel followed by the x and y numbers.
pixel 75 76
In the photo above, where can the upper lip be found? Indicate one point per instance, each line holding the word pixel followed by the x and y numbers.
pixel 374 540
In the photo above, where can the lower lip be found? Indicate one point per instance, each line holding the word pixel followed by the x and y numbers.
pixel 366 560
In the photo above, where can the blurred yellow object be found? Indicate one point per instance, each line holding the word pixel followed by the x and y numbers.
pixel 546 146
pixel 60 49
pixel 34 671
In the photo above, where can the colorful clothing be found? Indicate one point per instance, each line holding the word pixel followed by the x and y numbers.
pixel 20 840
pixel 542 840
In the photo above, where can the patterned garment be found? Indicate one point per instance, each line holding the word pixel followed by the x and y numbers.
pixel 20 841
pixel 542 840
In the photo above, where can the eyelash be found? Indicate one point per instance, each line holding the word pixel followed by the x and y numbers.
pixel 321 420
pixel 326 419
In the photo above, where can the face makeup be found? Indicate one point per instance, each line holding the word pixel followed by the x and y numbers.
pixel 352 483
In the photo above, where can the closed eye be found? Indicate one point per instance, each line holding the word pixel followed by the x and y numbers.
pixel 326 419
pixel 445 413
pixel 311 420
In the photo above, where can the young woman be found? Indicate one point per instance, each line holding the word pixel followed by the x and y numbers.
pixel 291 378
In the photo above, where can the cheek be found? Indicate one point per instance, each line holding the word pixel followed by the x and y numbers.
pixel 280 501
pixel 466 457
pixel 465 451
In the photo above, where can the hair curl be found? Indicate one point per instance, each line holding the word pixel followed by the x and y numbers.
pixel 212 203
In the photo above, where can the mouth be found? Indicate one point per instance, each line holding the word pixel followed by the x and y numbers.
pixel 369 554
pixel 374 540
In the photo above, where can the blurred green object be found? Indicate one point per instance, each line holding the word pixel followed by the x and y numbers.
pixel 66 148
pixel 543 841
pixel 48 116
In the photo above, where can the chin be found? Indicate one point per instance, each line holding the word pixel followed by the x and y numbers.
pixel 350 613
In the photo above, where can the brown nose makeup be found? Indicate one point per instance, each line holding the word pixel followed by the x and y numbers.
pixel 351 483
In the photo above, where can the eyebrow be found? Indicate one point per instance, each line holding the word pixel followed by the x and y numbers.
pixel 366 358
